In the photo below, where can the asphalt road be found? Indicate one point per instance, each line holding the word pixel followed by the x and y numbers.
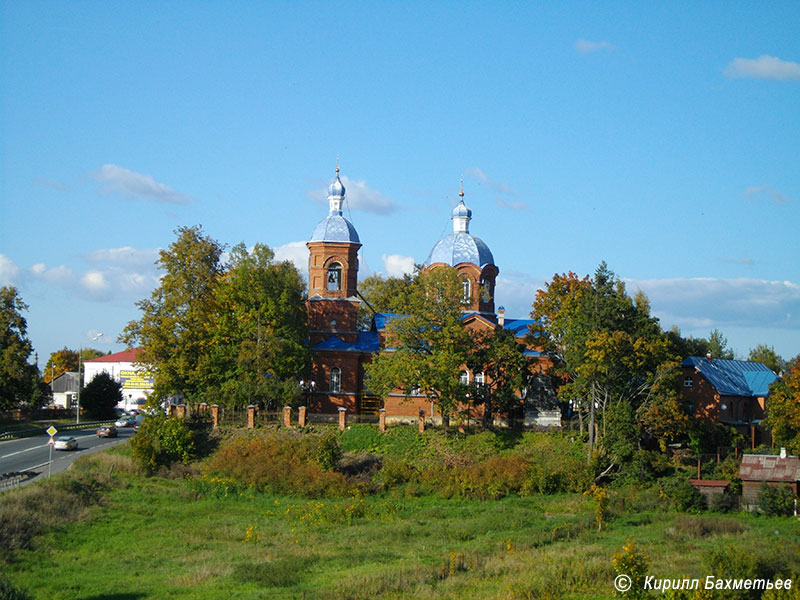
pixel 33 453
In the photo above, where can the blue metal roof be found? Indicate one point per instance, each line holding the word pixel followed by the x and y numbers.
pixel 367 341
pixel 381 320
pixel 734 377
pixel 520 327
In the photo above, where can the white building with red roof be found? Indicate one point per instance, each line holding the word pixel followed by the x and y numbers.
pixel 135 378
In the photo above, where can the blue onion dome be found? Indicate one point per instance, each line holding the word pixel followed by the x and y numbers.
pixel 336 188
pixel 461 211
pixel 334 227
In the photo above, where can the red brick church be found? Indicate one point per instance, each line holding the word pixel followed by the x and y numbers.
pixel 340 350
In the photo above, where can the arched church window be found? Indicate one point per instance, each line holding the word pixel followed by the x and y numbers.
pixel 465 286
pixel 479 379
pixel 335 276
pixel 486 292
pixel 464 377
pixel 336 380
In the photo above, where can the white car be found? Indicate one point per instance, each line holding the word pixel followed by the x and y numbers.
pixel 125 422
pixel 65 442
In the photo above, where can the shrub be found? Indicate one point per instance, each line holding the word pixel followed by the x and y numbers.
pixel 776 500
pixel 724 502
pixel 738 561
pixel 328 452
pixel 9 592
pixel 278 461
pixel 160 441
pixel 630 561
pixel 684 495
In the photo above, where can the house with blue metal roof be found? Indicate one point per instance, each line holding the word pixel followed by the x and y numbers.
pixel 733 392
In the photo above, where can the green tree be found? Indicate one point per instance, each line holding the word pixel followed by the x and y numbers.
pixel 783 410
pixel 611 350
pixel 386 294
pixel 686 347
pixel 175 329
pixel 161 441
pixel 18 378
pixel 66 361
pixel 100 396
pixel 767 355
pixel 258 352
pixel 506 370
pixel 718 345
pixel 427 346
pixel 233 333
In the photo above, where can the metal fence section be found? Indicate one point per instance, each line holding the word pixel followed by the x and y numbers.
pixel 11 480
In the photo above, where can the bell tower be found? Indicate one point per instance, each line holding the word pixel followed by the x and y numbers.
pixel 333 271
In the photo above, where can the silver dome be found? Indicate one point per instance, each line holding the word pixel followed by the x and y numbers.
pixel 459 248
pixel 334 228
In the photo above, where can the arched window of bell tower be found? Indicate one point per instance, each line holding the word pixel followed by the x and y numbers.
pixel 334 277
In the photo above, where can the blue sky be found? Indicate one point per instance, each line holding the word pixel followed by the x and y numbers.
pixel 663 138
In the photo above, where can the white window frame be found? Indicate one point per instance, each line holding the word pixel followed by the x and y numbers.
pixel 335 380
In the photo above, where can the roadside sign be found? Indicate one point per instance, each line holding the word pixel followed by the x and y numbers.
pixel 51 431
pixel 51 442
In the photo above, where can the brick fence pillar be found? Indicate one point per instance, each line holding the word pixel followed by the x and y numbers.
pixel 382 419
pixel 202 408
pixel 342 413
pixel 181 411
pixel 215 415
pixel 251 416
pixel 301 417
pixel 287 416
pixel 422 421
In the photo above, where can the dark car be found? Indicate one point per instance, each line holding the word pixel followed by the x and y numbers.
pixel 107 432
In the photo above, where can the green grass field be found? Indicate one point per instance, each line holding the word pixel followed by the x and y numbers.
pixel 205 537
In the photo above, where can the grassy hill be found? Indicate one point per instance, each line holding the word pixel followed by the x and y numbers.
pixel 404 518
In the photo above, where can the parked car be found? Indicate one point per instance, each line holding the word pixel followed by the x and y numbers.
pixel 65 442
pixel 107 432
pixel 124 422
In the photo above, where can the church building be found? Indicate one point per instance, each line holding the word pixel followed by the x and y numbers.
pixel 340 351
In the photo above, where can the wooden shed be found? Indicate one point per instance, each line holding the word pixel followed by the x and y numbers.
pixel 772 470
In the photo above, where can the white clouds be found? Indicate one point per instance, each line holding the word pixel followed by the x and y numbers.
pixel 125 274
pixel 588 47
pixel 359 196
pixel 396 265
pixel 758 193
pixel 9 271
pixel 60 275
pixel 709 302
pixel 763 67
pixel 296 253
pixel 94 281
pixel 135 185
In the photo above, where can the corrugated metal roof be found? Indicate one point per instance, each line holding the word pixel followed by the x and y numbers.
pixel 734 377
pixel 760 467
pixel 520 327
